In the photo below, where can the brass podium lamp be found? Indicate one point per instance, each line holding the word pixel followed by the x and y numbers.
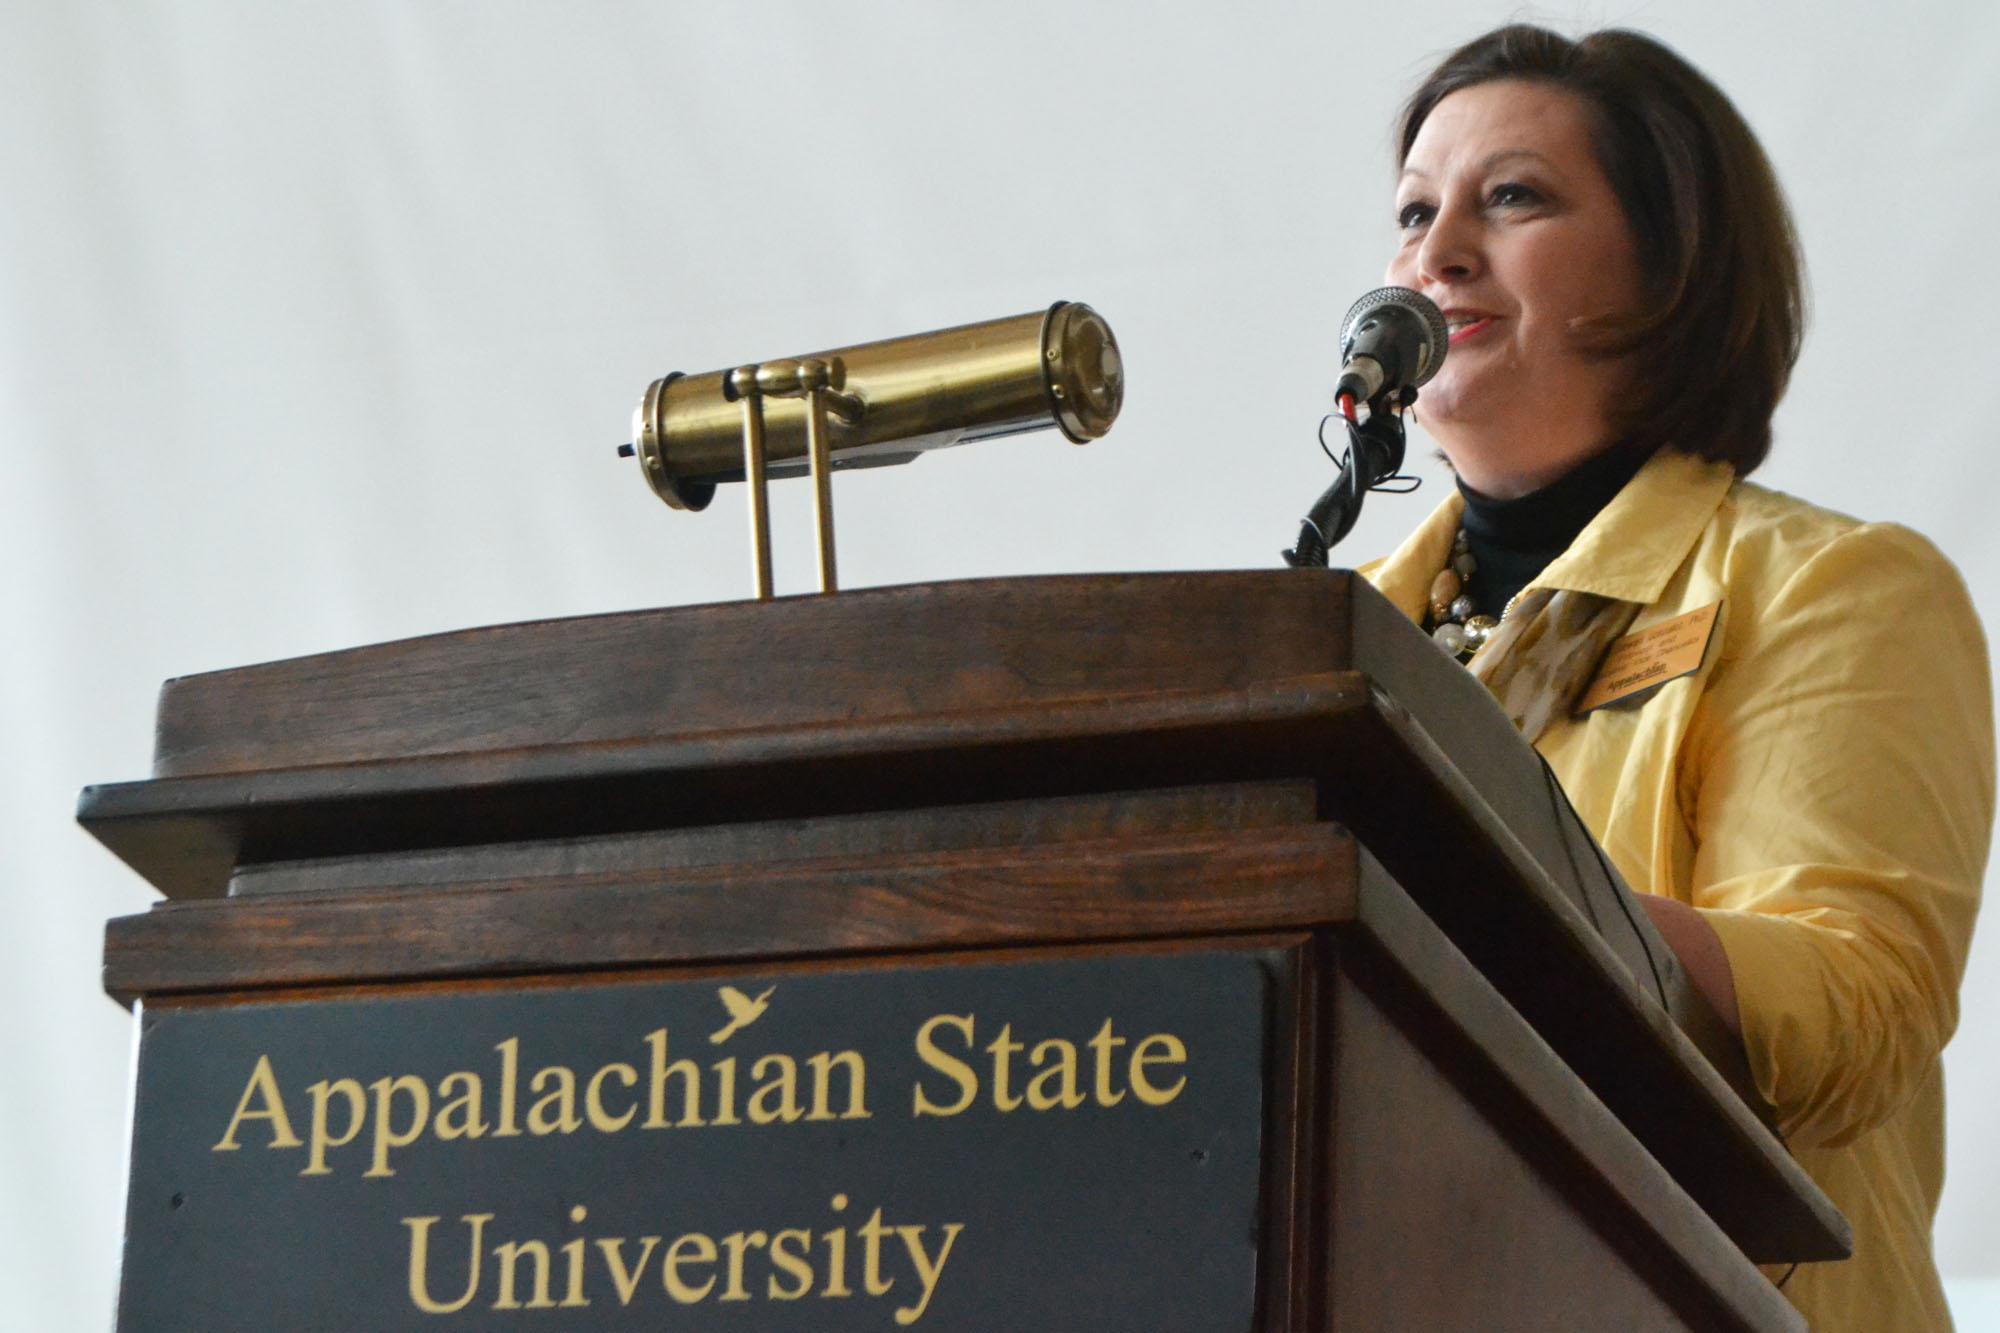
pixel 873 405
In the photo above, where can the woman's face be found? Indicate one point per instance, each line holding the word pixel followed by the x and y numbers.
pixel 1509 225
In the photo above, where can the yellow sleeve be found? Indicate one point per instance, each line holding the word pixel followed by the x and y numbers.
pixel 1842 805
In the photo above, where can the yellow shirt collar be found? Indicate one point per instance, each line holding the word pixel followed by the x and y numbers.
pixel 1628 552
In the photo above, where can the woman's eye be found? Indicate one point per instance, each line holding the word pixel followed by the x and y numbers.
pixel 1513 195
pixel 1413 215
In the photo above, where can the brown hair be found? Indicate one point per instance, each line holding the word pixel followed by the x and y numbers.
pixel 1716 246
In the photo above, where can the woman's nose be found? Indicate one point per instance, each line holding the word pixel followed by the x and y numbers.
pixel 1449 251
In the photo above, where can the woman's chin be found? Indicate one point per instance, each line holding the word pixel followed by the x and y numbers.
pixel 1442 410
pixel 1467 400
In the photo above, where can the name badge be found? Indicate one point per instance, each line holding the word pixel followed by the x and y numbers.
pixel 1647 659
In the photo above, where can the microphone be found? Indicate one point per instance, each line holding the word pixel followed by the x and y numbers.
pixel 1392 339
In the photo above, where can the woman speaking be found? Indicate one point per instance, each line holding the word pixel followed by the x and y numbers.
pixel 1809 810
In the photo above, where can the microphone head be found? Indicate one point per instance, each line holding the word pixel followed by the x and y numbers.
pixel 1401 329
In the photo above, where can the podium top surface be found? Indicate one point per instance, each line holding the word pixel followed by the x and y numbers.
pixel 791 662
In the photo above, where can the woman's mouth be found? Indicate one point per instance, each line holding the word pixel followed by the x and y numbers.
pixel 1462 326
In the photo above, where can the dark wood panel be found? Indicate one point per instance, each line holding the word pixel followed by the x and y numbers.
pixel 540 702
pixel 1476 1185
pixel 1288 1277
pixel 584 748
pixel 722 969
pixel 1378 771
pixel 593 727
pixel 1172 885
pixel 1484 892
pixel 1309 1189
pixel 188 835
pixel 945 647
pixel 879 834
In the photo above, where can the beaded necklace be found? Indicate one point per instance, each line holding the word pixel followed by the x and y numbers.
pixel 1455 623
pixel 1522 534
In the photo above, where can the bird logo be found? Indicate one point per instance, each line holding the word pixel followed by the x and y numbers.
pixel 743 1011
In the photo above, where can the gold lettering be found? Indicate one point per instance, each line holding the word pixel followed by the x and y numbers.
pixel 927 1271
pixel 951 1067
pixel 263 1084
pixel 1101 1047
pixel 690 1075
pixel 794 1265
pixel 625 1281
pixel 725 1092
pixel 785 1083
pixel 321 1141
pixel 420 1249
pixel 1176 1054
pixel 857 1084
pixel 385 1136
pixel 562 1098
pixel 573 1296
pixel 736 1242
pixel 670 1268
pixel 459 1117
pixel 593 1099
pixel 836 1242
pixel 872 1280
pixel 510 1078
pixel 1063 1071
pixel 509 1255
pixel 1001 1049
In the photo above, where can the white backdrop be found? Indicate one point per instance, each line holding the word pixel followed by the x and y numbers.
pixel 319 323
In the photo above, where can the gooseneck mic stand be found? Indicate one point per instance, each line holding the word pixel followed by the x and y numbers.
pixel 1374 458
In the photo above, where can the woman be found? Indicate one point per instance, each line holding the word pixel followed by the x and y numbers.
pixel 1810 808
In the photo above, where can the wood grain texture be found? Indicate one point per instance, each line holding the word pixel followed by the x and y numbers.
pixel 1490 900
pixel 1120 889
pixel 1288 1279
pixel 687 671
pixel 189 835
pixel 636 789
pixel 1473 1184
pixel 922 695
pixel 1034 822
pixel 1443 1001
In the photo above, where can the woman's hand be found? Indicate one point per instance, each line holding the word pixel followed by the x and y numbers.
pixel 1699 948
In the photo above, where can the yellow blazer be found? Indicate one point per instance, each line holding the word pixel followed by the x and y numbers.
pixel 1822 790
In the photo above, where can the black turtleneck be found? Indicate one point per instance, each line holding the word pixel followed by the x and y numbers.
pixel 1513 541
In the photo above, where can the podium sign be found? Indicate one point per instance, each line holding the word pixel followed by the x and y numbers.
pixel 1077 1142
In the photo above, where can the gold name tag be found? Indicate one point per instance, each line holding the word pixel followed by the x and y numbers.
pixel 1648 658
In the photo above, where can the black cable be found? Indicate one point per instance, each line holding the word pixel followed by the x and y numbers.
pixel 1569 851
pixel 1327 449
pixel 1373 462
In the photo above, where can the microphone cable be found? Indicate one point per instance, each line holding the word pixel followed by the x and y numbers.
pixel 1372 462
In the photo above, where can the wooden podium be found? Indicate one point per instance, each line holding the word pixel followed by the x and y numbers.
pixel 1163 952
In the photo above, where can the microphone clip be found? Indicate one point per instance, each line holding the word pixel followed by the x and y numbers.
pixel 1375 448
